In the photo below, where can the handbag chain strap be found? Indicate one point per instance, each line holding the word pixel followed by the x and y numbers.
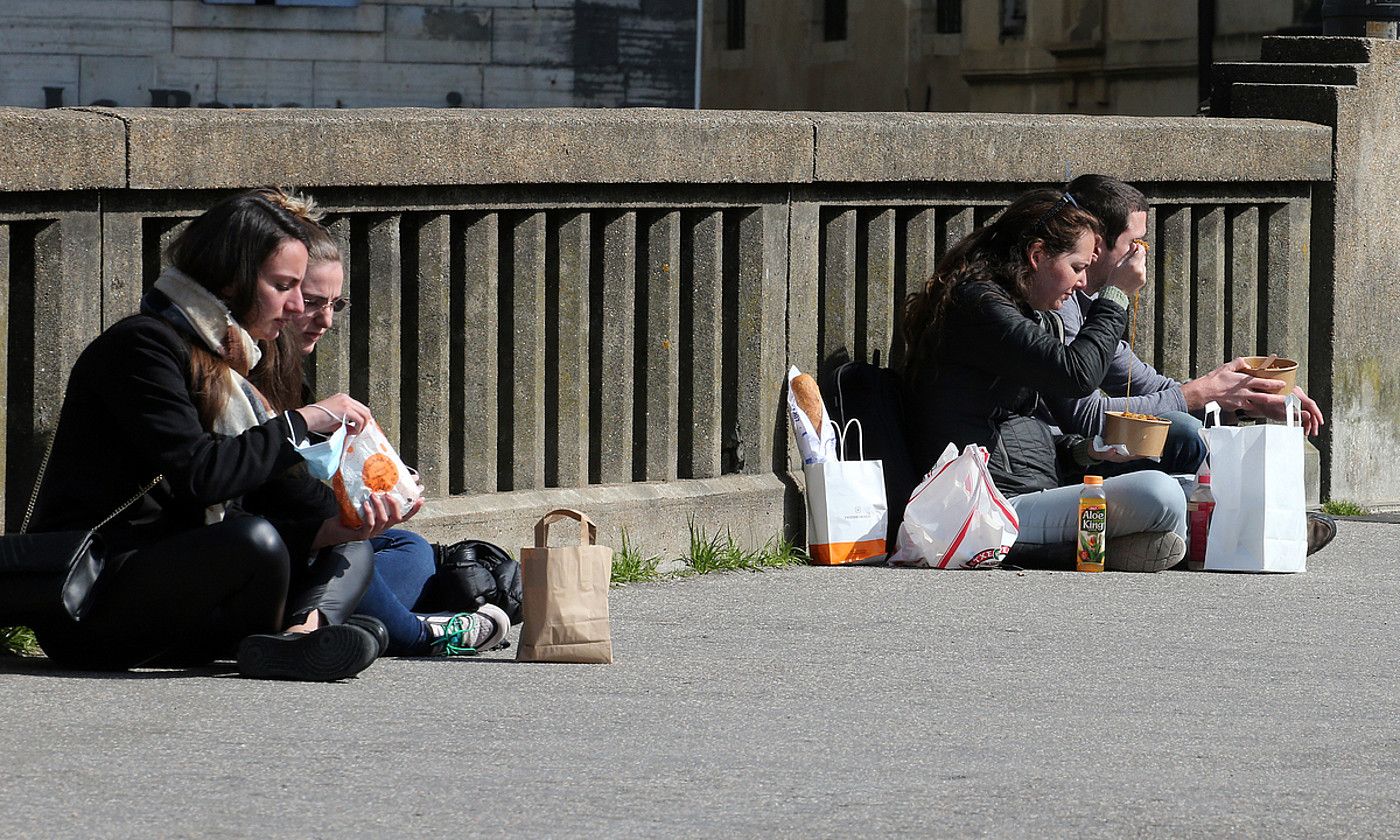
pixel 39 482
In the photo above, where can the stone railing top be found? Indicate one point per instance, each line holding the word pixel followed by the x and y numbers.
pixel 159 148
pixel 1039 148
pixel 60 150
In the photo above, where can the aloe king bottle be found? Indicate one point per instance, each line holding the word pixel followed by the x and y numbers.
pixel 1093 525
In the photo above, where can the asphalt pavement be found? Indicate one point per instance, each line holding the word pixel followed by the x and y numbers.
pixel 807 702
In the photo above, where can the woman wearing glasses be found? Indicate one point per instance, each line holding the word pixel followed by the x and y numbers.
pixel 403 560
pixel 979 355
pixel 162 400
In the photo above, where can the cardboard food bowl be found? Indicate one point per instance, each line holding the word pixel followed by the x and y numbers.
pixel 1284 370
pixel 1144 438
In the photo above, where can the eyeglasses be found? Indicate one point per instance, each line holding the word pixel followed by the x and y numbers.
pixel 315 305
pixel 1055 208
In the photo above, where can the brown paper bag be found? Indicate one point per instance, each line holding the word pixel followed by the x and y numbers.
pixel 566 596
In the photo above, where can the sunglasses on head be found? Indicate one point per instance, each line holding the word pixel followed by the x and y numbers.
pixel 1055 208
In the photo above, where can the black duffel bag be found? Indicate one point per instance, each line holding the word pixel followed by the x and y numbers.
pixel 471 573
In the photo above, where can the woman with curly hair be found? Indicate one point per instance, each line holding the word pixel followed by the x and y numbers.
pixel 981 350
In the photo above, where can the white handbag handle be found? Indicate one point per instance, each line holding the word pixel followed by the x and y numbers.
pixel 1212 408
pixel 1292 410
pixel 845 438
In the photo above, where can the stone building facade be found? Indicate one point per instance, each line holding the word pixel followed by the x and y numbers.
pixel 347 53
pixel 1046 56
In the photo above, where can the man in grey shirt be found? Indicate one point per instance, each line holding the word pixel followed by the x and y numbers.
pixel 1123 211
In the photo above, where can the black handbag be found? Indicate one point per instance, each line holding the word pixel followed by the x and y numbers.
pixel 54 573
pixel 471 573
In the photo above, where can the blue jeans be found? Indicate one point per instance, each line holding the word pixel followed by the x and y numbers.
pixel 1183 453
pixel 1139 502
pixel 403 563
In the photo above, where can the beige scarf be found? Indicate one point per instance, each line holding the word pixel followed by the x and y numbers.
pixel 213 324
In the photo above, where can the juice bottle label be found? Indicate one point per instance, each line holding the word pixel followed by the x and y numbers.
pixel 1093 520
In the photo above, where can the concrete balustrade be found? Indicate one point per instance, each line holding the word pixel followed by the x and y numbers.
pixel 597 308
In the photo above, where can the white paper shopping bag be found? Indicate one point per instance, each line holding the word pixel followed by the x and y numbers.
pixel 1256 475
pixel 847 516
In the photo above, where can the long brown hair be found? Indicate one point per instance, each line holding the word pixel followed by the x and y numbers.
pixel 222 250
pixel 996 253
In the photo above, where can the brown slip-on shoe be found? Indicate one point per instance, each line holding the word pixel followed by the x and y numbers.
pixel 1321 531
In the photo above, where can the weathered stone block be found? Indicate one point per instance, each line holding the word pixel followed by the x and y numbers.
pixel 426 34
pixel 61 150
pixel 366 84
pixel 1024 148
pixel 213 149
pixel 258 82
pixel 532 37
pixel 40 81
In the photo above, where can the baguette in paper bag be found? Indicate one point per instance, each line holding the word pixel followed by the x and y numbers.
pixel 370 465
pixel 811 422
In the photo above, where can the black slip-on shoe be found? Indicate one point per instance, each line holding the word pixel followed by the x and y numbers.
pixel 1321 530
pixel 326 654
pixel 372 626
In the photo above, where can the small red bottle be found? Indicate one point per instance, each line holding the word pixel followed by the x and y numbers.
pixel 1199 507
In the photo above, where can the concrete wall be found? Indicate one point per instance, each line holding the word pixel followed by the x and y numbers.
pixel 1352 85
pixel 435 53
pixel 597 308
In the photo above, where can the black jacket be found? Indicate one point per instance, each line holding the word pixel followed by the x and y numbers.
pixel 985 374
pixel 129 414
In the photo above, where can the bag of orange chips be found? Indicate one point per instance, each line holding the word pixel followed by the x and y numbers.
pixel 370 465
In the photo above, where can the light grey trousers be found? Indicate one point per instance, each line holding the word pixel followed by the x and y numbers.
pixel 1147 501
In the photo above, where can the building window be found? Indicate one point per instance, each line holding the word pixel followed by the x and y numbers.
pixel 834 20
pixel 1013 19
pixel 342 3
pixel 734 26
pixel 949 17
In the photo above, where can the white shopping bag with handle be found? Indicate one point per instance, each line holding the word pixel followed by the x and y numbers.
pixel 847 516
pixel 956 517
pixel 1256 476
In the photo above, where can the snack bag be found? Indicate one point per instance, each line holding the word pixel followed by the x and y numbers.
pixel 370 465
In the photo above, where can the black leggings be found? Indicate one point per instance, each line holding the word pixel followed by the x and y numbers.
pixel 190 598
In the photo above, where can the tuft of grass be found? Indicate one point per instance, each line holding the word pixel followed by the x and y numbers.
pixel 721 553
pixel 18 641
pixel 630 566
pixel 1341 507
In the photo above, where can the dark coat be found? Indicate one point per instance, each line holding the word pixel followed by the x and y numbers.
pixel 988 367
pixel 129 414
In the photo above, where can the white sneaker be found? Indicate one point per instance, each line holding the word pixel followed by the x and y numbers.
pixel 466 634
pixel 1150 551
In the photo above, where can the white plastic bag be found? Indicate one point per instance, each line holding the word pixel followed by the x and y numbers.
pixel 370 465
pixel 1256 476
pixel 956 517
pixel 847 516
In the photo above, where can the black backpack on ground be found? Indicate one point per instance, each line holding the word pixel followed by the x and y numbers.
pixel 471 573
pixel 875 396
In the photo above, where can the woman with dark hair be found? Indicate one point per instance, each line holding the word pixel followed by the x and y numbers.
pixel 980 356
pixel 164 394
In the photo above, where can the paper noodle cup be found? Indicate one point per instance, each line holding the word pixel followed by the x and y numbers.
pixel 1284 370
pixel 1144 438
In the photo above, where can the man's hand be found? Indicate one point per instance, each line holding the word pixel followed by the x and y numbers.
pixel 1273 407
pixel 1130 275
pixel 1232 387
